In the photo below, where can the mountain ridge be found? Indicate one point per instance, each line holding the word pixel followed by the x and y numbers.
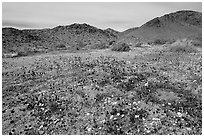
pixel 176 25
pixel 69 35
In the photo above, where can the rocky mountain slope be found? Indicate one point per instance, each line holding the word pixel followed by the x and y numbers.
pixel 173 26
pixel 115 32
pixel 70 36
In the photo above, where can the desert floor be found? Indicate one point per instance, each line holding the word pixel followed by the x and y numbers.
pixel 148 90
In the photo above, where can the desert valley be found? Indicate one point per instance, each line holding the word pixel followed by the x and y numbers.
pixel 82 80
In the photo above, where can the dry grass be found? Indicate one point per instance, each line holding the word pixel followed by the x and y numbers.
pixel 183 46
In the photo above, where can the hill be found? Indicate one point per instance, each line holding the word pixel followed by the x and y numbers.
pixel 68 37
pixel 173 26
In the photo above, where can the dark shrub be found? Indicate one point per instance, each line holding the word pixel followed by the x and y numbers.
pixel 197 43
pixel 138 44
pixel 61 46
pixel 183 49
pixel 100 46
pixel 111 42
pixel 159 42
pixel 20 53
pixel 121 47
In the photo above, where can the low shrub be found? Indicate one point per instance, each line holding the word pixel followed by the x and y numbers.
pixel 159 42
pixel 197 43
pixel 112 42
pixel 61 47
pixel 100 46
pixel 121 47
pixel 183 46
pixel 139 44
pixel 183 49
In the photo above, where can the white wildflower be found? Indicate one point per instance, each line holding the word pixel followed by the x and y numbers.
pixel 179 114
pixel 136 116
pixel 134 103
pixel 148 131
pixel 169 103
pixel 103 121
pixel 89 129
pixel 155 118
pixel 114 103
pixel 41 127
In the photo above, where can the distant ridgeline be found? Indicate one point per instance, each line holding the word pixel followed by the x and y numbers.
pixel 173 26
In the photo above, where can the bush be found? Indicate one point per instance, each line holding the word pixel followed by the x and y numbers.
pixel 100 46
pixel 61 46
pixel 121 47
pixel 111 42
pixel 185 46
pixel 197 43
pixel 159 42
pixel 138 44
pixel 183 49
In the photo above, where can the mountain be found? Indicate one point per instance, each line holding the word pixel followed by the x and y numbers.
pixel 70 36
pixel 173 26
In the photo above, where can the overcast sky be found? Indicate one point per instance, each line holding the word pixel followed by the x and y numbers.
pixel 119 16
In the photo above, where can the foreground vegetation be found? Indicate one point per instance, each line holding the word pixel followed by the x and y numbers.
pixel 154 93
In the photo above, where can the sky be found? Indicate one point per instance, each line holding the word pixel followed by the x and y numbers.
pixel 116 15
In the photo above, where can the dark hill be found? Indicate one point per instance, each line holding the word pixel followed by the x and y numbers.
pixel 71 36
pixel 177 25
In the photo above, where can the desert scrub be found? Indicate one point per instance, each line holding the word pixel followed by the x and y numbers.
pixel 100 46
pixel 61 47
pixel 122 47
pixel 103 95
pixel 159 42
pixel 183 46
pixel 183 49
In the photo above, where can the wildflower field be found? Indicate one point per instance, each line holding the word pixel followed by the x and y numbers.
pixel 140 92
